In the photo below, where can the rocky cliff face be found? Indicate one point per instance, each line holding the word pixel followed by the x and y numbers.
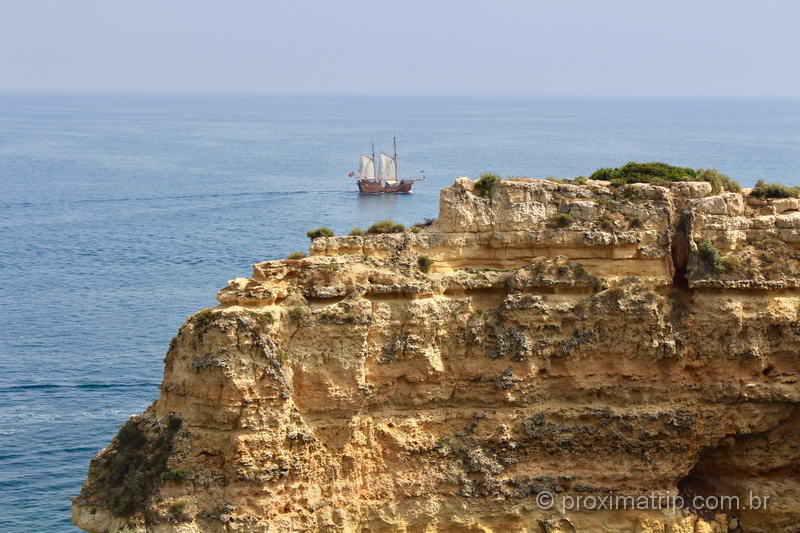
pixel 576 341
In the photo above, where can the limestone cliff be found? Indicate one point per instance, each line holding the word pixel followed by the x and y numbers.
pixel 566 340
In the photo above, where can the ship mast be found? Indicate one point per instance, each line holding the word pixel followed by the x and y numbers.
pixel 373 159
pixel 396 174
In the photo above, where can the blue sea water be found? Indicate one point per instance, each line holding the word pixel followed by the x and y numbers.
pixel 122 215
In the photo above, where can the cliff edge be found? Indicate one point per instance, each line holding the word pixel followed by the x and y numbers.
pixel 538 338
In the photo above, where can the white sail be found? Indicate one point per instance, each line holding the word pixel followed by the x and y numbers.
pixel 366 168
pixel 388 169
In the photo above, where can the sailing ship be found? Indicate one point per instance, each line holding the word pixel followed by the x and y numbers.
pixel 386 179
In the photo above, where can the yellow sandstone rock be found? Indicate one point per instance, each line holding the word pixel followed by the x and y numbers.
pixel 582 342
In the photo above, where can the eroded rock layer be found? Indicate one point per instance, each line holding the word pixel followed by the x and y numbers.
pixel 565 340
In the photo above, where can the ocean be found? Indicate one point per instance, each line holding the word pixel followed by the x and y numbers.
pixel 122 215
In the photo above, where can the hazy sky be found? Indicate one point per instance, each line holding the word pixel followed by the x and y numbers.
pixel 559 47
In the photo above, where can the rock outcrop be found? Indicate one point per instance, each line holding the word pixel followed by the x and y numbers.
pixel 573 341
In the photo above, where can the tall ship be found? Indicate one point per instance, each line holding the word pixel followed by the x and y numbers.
pixel 385 182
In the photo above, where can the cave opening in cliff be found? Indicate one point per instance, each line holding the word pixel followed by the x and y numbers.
pixel 705 482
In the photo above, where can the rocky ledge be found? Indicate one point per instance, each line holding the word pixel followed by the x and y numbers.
pixel 541 338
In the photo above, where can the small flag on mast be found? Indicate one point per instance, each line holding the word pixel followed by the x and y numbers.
pixel 351 174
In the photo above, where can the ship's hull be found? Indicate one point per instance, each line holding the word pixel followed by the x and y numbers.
pixel 376 187
pixel 370 187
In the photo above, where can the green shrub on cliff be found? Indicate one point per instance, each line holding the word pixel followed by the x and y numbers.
pixel 774 190
pixel 424 262
pixel 355 232
pixel 386 226
pixel 730 264
pixel 282 355
pixel 710 254
pixel 659 173
pixel 561 220
pixel 633 172
pixel 320 232
pixel 177 511
pixel 719 181
pixel 177 475
pixel 136 465
pixel 484 184
pixel 130 436
pixel 296 255
pixel 297 313
pixel 605 222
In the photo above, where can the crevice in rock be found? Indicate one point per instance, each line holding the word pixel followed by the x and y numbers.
pixel 679 249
